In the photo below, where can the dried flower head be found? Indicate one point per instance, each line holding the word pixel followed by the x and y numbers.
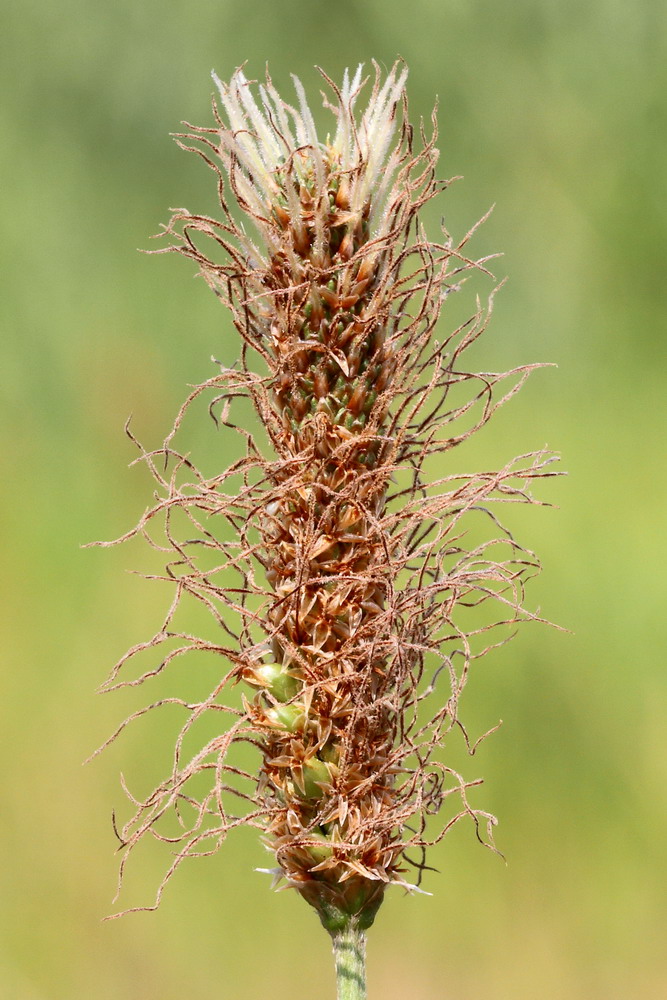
pixel 331 554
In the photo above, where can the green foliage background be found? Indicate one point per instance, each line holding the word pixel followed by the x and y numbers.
pixel 556 111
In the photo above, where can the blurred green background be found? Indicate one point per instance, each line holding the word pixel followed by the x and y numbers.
pixel 555 111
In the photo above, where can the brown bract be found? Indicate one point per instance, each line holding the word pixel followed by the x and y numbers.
pixel 342 592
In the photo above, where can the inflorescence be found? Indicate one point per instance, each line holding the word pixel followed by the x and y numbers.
pixel 332 553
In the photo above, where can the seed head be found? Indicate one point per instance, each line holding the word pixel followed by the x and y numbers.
pixel 341 582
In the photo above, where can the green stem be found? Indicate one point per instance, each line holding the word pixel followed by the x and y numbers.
pixel 349 946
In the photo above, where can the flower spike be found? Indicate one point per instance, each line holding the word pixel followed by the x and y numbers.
pixel 332 554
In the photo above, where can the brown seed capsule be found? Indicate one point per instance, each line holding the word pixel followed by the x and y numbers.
pixel 320 384
pixel 357 399
pixel 366 268
pixel 343 194
pixel 346 249
pixel 330 297
pixel 281 215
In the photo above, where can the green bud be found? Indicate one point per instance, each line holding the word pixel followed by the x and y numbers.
pixel 314 773
pixel 278 681
pixel 289 717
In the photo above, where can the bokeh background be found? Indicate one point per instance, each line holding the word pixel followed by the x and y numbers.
pixel 554 110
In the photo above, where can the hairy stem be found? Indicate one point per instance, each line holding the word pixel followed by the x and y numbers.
pixel 349 947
